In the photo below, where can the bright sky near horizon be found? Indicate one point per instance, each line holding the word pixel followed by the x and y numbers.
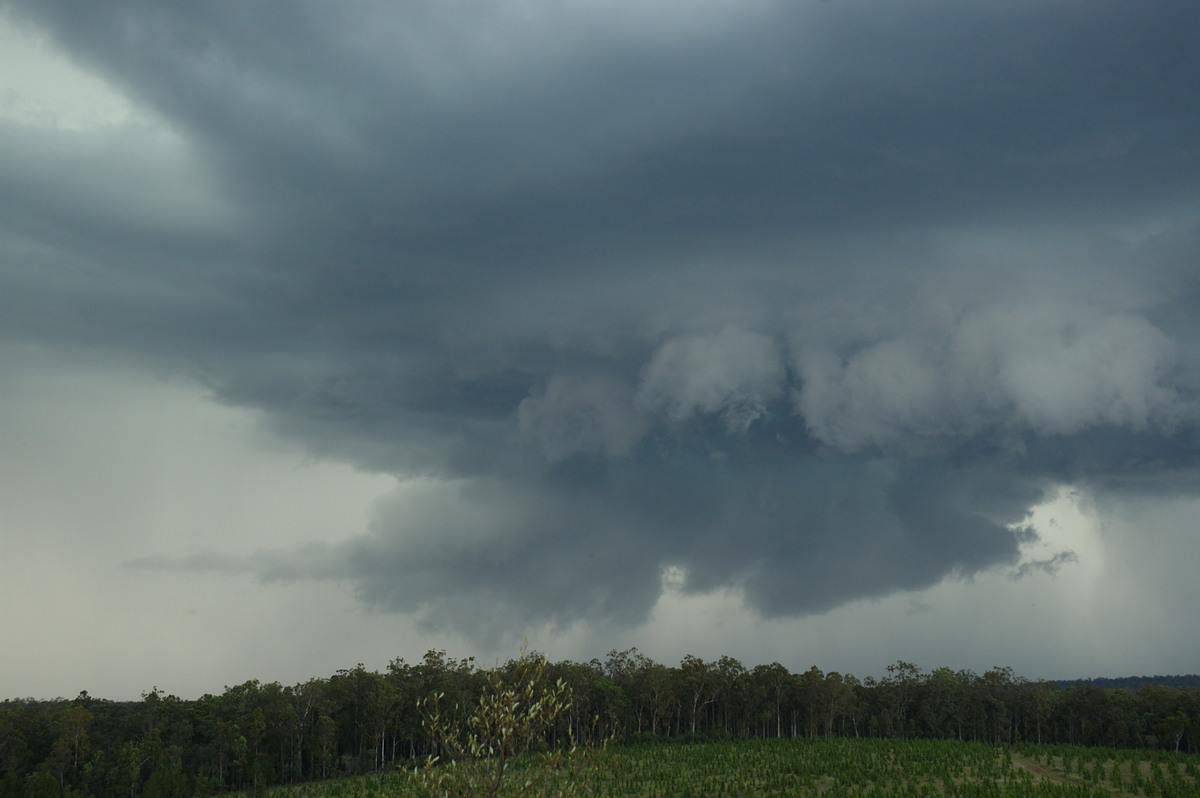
pixel 809 332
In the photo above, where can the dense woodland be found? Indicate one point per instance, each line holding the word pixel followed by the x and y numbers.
pixel 359 721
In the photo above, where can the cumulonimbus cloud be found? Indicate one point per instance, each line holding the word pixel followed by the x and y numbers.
pixel 813 303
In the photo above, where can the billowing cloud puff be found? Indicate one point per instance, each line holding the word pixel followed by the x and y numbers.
pixel 1045 369
pixel 732 373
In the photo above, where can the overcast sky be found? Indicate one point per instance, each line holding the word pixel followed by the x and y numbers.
pixel 832 333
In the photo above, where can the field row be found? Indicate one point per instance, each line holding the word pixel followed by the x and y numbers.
pixel 821 768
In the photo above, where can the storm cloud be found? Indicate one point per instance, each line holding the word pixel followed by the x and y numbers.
pixel 810 301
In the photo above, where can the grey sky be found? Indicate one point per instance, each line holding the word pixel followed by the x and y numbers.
pixel 616 315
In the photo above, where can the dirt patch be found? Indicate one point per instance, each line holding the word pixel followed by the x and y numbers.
pixel 1042 773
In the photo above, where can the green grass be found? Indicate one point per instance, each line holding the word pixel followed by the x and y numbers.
pixel 836 768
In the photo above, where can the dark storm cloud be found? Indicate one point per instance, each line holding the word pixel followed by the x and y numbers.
pixel 813 301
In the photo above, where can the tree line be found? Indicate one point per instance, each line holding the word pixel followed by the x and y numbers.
pixel 359 721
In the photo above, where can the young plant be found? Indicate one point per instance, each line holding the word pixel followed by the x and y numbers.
pixel 501 747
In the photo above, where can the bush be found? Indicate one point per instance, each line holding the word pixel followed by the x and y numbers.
pixel 501 748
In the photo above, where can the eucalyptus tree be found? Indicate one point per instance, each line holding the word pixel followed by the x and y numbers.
pixel 641 681
pixel 901 689
pixel 74 741
pixel 700 684
pixel 943 707
pixel 365 700
pixel 808 690
pixel 769 686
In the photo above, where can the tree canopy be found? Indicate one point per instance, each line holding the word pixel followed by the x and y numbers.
pixel 360 720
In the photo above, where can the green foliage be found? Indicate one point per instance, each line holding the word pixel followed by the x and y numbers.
pixel 834 768
pixel 533 720
pixel 502 748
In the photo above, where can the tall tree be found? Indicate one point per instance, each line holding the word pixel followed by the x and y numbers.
pixel 700 683
pixel 771 685
pixel 73 743
pixel 809 689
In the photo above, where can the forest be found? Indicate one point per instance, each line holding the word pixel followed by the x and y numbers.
pixel 360 721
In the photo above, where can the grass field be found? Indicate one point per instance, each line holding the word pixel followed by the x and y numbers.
pixel 834 768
